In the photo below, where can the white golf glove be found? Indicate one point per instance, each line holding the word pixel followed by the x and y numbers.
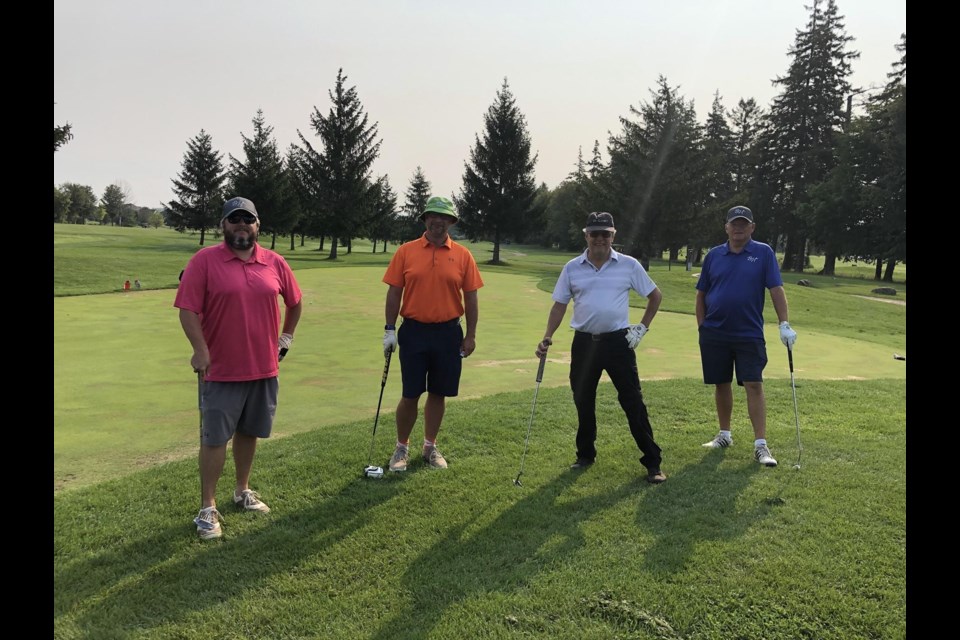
pixel 285 341
pixel 635 335
pixel 389 341
pixel 787 335
pixel 543 346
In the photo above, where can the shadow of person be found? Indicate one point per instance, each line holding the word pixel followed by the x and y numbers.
pixel 501 556
pixel 681 505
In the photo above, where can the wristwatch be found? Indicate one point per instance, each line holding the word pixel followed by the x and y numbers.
pixel 389 327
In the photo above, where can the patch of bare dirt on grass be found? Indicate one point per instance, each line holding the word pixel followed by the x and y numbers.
pixel 902 303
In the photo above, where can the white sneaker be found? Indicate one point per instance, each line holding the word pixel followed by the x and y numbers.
pixel 435 459
pixel 762 454
pixel 398 461
pixel 720 441
pixel 249 500
pixel 208 523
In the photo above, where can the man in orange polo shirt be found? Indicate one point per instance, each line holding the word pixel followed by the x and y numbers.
pixel 433 281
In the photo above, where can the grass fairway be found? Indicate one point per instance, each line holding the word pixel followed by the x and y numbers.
pixel 725 549
pixel 125 396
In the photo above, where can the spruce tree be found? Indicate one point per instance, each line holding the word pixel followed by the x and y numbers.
pixel 261 177
pixel 498 181
pixel 805 120
pixel 198 188
pixel 338 173
pixel 409 225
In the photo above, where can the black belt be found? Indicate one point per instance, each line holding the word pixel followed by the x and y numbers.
pixel 448 323
pixel 597 337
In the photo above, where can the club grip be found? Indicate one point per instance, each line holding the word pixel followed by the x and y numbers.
pixel 543 361
pixel 790 358
pixel 386 368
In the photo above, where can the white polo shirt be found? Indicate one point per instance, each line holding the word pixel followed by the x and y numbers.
pixel 601 297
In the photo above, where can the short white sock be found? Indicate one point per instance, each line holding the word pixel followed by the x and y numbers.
pixel 726 434
pixel 760 442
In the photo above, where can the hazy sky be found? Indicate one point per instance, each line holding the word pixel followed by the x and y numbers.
pixel 137 80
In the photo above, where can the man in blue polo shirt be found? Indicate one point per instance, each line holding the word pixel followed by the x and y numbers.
pixel 730 297
pixel 599 283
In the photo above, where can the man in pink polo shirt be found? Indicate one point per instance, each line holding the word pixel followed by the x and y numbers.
pixel 229 313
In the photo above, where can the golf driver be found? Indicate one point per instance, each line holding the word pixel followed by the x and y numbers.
pixel 543 361
pixel 371 471
pixel 796 413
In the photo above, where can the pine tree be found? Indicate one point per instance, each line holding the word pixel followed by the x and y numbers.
pixel 805 119
pixel 498 182
pixel 656 173
pixel 198 188
pixel 409 226
pixel 338 174
pixel 261 177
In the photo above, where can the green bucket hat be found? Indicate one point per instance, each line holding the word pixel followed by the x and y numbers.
pixel 441 205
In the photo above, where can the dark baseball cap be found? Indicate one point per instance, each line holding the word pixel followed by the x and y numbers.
pixel 599 221
pixel 740 212
pixel 239 204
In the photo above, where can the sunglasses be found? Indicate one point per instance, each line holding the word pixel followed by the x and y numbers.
pixel 236 217
pixel 601 234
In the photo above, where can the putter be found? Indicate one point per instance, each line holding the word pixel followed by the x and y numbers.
pixel 371 471
pixel 796 413
pixel 200 402
pixel 543 361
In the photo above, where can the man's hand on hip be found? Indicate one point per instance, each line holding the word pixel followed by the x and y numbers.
pixel 635 334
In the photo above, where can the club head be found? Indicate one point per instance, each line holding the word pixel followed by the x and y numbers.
pixel 516 482
pixel 796 466
pixel 373 472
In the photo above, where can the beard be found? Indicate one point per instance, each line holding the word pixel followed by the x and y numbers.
pixel 243 242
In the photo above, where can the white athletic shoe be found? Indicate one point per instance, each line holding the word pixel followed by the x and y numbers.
pixel 720 441
pixel 762 454
pixel 398 461
pixel 208 523
pixel 249 500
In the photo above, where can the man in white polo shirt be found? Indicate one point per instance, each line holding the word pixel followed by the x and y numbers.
pixel 599 282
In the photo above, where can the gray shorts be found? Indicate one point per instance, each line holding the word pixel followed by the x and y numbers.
pixel 238 407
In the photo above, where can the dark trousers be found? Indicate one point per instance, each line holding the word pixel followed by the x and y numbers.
pixel 590 356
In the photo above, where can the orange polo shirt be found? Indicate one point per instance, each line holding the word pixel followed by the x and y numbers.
pixel 432 279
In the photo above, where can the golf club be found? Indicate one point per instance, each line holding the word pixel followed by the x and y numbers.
pixel 796 413
pixel 371 471
pixel 543 361
pixel 200 402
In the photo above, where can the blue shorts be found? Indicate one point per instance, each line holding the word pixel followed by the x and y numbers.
pixel 720 355
pixel 238 407
pixel 430 357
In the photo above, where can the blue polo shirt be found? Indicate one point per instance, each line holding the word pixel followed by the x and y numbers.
pixel 601 297
pixel 735 285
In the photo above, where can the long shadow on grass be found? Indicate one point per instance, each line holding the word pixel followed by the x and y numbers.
pixel 503 556
pixel 697 504
pixel 161 578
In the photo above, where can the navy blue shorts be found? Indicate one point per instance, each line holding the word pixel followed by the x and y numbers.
pixel 238 407
pixel 430 357
pixel 719 356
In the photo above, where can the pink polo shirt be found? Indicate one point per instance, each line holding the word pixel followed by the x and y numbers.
pixel 239 313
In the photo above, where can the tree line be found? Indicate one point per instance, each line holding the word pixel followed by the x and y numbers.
pixel 818 179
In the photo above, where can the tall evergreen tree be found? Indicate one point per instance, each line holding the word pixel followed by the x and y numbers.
pixel 338 174
pixel 262 177
pixel 498 181
pixel 656 173
pixel 198 188
pixel 806 117
pixel 61 204
pixel 409 225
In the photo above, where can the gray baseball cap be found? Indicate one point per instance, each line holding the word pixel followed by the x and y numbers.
pixel 740 212
pixel 239 204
